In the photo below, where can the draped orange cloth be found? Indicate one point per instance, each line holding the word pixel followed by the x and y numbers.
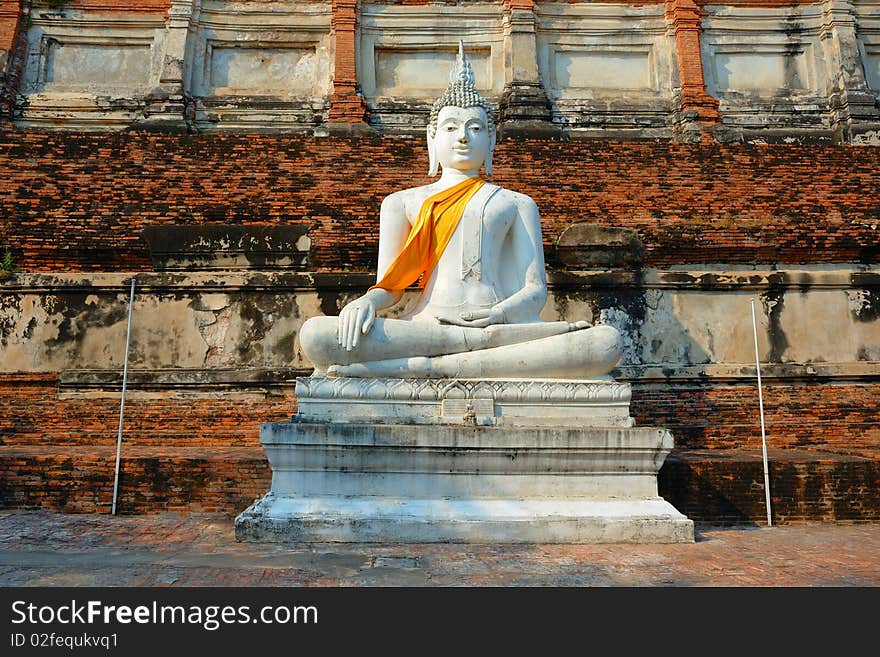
pixel 429 235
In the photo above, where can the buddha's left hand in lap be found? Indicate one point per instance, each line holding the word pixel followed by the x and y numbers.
pixel 475 318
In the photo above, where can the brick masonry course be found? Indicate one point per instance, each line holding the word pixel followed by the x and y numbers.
pixel 821 416
pixel 201 453
pixel 717 486
pixel 79 201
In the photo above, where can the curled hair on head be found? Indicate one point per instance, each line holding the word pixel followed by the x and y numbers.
pixel 461 92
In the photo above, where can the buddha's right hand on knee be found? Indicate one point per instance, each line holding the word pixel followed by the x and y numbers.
pixel 355 319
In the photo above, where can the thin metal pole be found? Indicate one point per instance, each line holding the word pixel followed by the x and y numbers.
pixel 122 400
pixel 763 432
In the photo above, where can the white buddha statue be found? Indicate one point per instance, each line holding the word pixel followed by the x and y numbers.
pixel 476 250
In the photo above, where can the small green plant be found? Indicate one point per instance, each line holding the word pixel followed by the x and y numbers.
pixel 7 266
pixel 57 4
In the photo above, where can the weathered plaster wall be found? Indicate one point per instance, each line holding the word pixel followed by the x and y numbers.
pixel 257 64
pixel 767 66
pixel 405 54
pixel 90 65
pixel 214 354
pixel 823 321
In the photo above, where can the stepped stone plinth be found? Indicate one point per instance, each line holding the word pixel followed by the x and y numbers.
pixel 461 465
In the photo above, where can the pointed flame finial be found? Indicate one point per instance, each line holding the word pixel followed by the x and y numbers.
pixel 461 91
pixel 462 72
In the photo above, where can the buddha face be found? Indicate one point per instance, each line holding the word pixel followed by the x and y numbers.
pixel 463 140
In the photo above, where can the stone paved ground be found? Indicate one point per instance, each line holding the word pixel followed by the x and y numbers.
pixel 45 549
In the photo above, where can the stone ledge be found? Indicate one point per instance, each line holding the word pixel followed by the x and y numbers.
pixel 590 246
pixel 727 486
pixel 394 437
pixel 233 378
pixel 698 277
pixel 76 381
pixel 746 373
pixel 223 246
pixel 152 479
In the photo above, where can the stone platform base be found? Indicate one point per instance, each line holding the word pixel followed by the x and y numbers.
pixel 448 483
pixel 383 520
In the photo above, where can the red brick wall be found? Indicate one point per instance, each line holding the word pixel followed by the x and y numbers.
pixel 202 453
pixel 10 11
pixel 73 201
pixel 843 415
pixel 33 414
pixel 724 487
pixel 804 416
pixel 80 479
pixel 728 487
pixel 180 452
pixel 77 202
pixel 709 417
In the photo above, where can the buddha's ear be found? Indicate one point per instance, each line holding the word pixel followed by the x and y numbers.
pixel 432 153
pixel 488 163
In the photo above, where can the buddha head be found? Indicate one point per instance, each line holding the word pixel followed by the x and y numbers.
pixel 461 128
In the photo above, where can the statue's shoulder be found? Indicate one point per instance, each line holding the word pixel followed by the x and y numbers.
pixel 406 199
pixel 412 192
pixel 508 199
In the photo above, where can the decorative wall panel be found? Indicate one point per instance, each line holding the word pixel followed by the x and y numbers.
pixel 89 69
pixel 406 52
pixel 607 67
pixel 768 67
pixel 260 64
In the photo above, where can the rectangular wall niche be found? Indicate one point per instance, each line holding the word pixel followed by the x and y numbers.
pixel 763 70
pixel 872 67
pixel 609 68
pixel 91 64
pixel 90 69
pixel 261 65
pixel 235 68
pixel 425 72
pixel 768 67
pixel 868 35
pixel 405 53
pixel 72 66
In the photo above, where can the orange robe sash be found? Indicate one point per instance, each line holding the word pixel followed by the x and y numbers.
pixel 438 218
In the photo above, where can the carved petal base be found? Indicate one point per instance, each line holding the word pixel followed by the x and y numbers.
pixel 483 402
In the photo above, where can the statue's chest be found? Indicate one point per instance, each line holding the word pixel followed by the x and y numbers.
pixel 478 234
